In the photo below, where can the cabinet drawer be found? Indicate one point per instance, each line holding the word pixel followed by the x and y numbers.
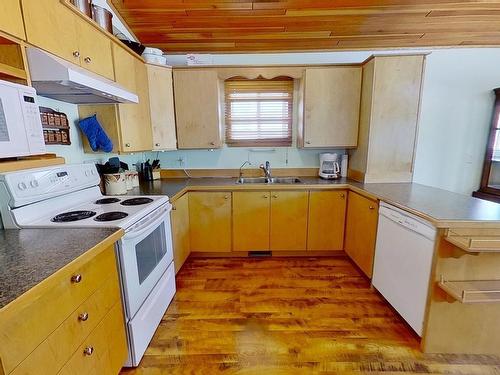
pixel 104 351
pixel 57 349
pixel 29 320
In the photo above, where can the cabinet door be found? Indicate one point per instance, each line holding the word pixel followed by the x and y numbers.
pixel 326 220
pixel 161 103
pixel 361 231
pixel 11 19
pixel 135 119
pixel 210 221
pixel 251 220
pixel 196 94
pixel 180 230
pixel 331 107
pixel 52 26
pixel 95 50
pixel 289 220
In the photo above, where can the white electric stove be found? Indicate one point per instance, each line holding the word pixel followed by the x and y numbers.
pixel 68 196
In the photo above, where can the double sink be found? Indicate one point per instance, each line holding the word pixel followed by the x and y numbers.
pixel 271 180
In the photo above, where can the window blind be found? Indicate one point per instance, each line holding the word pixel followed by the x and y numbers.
pixel 258 112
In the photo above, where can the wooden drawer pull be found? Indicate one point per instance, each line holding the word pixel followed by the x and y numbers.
pixel 83 316
pixel 76 278
pixel 88 350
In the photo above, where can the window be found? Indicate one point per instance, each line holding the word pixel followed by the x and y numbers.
pixel 258 112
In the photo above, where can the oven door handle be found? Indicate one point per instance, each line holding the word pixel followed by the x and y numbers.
pixel 153 220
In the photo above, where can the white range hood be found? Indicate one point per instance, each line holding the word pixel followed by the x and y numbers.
pixel 59 79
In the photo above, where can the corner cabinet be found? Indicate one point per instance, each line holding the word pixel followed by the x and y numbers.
pixel 128 125
pixel 361 231
pixel 161 104
pixel 196 94
pixel 330 107
pixel 210 221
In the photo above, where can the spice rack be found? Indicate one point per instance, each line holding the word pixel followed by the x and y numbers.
pixel 55 127
pixel 472 291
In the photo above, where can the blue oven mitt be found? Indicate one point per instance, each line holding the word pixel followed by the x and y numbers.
pixel 98 139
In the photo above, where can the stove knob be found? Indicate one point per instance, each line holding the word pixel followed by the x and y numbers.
pixel 93 172
pixel 21 186
pixel 34 183
pixel 87 173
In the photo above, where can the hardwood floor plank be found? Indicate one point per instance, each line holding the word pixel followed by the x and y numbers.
pixel 288 316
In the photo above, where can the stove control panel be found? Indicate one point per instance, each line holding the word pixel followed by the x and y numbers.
pixel 33 185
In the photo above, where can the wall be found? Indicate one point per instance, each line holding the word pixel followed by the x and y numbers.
pixel 455 117
pixel 74 152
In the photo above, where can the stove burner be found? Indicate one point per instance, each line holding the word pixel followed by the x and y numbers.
pixel 110 216
pixel 72 216
pixel 107 200
pixel 136 201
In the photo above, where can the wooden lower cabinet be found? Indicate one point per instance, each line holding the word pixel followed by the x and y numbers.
pixel 327 210
pixel 251 215
pixel 361 231
pixel 288 229
pixel 180 230
pixel 45 328
pixel 210 221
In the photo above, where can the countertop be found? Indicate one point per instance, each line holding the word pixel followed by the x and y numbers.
pixel 442 208
pixel 28 256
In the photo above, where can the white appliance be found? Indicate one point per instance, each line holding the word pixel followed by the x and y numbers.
pixel 329 167
pixel 21 131
pixel 58 79
pixel 403 261
pixel 68 196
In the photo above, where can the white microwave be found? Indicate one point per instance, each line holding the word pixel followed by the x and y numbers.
pixel 21 131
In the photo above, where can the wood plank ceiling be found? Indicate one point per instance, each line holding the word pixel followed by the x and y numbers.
pixel 184 26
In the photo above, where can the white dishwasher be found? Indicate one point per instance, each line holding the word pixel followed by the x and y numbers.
pixel 403 261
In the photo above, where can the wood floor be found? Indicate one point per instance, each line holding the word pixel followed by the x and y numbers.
pixel 288 316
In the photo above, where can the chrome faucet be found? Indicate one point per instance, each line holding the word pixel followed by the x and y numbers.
pixel 242 165
pixel 267 169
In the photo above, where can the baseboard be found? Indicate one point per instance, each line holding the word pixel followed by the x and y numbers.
pixel 244 254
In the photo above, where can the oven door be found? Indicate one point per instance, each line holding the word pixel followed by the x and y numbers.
pixel 145 252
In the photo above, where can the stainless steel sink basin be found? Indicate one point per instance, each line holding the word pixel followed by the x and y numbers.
pixel 264 180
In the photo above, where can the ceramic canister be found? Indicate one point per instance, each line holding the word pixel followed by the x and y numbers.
pixel 115 183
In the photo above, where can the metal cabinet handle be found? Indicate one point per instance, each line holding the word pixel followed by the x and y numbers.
pixel 83 316
pixel 76 278
pixel 88 350
pixel 226 196
pixel 308 143
pixel 76 53
pixel 212 143
pixel 88 60
pixel 342 195
pixel 174 208
pixel 275 196
pixel 127 144
pixel 371 208
pixel 265 196
pixel 157 145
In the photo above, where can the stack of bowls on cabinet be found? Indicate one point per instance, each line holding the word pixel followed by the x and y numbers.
pixel 154 56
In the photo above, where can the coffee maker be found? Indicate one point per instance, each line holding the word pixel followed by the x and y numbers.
pixel 329 167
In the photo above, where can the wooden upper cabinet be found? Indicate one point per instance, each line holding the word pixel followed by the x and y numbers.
pixel 331 107
pixel 95 50
pixel 161 103
pixel 210 221
pixel 134 118
pixel 326 220
pixel 361 231
pixel 251 214
pixel 196 94
pixel 11 19
pixel 288 220
pixel 51 26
